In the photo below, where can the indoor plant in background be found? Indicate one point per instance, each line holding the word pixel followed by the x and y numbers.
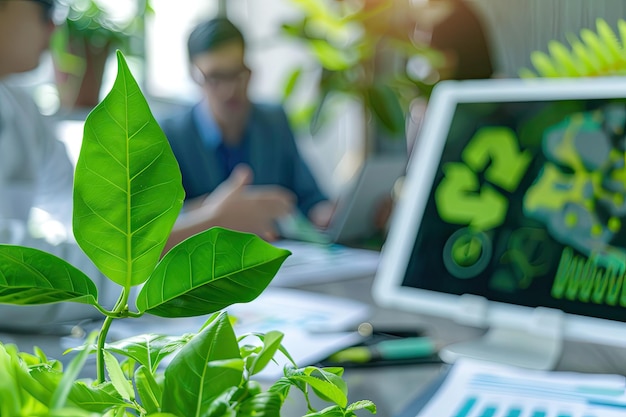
pixel 592 54
pixel 362 48
pixel 87 34
pixel 127 196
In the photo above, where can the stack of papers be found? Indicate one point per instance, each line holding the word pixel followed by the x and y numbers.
pixel 314 325
pixel 312 263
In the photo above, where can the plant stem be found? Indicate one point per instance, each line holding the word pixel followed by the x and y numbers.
pixel 120 305
pixel 100 348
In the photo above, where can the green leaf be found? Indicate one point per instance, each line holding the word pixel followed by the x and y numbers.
pixel 564 59
pixel 208 272
pixel 586 59
pixel 118 379
pixel 609 39
pixel 362 405
pixel 40 382
pixel 322 18
pixel 72 412
pixel 30 276
pixel 282 387
pixel 386 107
pixel 150 392
pixel 10 398
pixel 291 83
pixel 128 188
pixel 271 343
pixel 98 398
pixel 164 415
pixel 327 385
pixel 264 404
pixel 331 58
pixel 318 115
pixel 332 411
pixel 526 73
pixel 148 349
pixel 596 47
pixel 621 28
pixel 207 366
pixel 222 405
pixel 59 397
pixel 543 64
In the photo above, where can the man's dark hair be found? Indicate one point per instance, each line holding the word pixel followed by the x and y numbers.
pixel 210 35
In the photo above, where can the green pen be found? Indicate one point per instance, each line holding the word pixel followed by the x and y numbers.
pixel 396 349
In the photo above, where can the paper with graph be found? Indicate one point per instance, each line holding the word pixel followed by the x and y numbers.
pixel 483 389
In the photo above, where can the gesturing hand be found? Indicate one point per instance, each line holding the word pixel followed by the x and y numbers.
pixel 237 205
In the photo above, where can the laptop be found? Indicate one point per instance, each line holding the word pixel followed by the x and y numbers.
pixel 354 216
pixel 512 217
pixel 321 255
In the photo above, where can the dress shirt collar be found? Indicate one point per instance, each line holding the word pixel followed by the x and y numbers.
pixel 208 129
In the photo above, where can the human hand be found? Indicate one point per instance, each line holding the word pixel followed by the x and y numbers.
pixel 237 205
pixel 321 213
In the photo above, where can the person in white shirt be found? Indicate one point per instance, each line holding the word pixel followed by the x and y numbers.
pixel 36 174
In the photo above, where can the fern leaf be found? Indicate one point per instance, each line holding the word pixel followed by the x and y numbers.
pixel 564 59
pixel 621 28
pixel 609 39
pixel 592 54
pixel 596 48
pixel 526 73
pixel 587 60
pixel 544 65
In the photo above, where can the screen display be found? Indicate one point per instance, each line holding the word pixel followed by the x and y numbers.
pixel 528 207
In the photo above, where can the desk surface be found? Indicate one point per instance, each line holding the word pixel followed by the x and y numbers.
pixel 393 387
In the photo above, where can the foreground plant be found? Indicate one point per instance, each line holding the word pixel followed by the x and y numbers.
pixel 127 196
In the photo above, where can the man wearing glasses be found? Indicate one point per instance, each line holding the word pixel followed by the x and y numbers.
pixel 238 159
pixel 36 175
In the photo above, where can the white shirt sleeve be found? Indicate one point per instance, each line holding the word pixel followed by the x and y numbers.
pixel 36 182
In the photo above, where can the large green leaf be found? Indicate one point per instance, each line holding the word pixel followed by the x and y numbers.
pixel 30 276
pixel 208 272
pixel 128 188
pixel 207 366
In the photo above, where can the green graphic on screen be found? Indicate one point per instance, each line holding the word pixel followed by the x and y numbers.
pixel 493 152
pixel 580 196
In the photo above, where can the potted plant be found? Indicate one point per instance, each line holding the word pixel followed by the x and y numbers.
pixel 362 48
pixel 85 38
pixel 127 196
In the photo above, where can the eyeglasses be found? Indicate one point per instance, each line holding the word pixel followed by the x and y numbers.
pixel 217 80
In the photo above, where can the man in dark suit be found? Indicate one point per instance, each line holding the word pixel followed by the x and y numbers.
pixel 234 153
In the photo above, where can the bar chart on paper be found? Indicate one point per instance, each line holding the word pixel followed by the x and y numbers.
pixel 481 389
